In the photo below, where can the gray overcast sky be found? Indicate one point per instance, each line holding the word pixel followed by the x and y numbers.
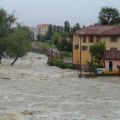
pixel 33 12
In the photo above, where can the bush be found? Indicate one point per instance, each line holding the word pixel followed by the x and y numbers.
pixel 62 65
pixel 70 66
pixel 54 62
pixel 50 63
pixel 67 54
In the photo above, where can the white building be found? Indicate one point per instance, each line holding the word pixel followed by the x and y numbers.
pixel 34 32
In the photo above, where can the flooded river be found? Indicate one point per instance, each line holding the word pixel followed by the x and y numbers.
pixel 32 90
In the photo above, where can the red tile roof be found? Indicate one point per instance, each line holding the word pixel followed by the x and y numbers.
pixel 112 55
pixel 100 30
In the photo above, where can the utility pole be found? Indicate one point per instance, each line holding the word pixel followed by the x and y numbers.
pixel 80 67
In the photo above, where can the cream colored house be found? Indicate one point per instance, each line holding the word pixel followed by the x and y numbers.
pixel 43 28
pixel 84 38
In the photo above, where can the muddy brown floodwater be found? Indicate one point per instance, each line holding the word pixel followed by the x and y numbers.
pixel 32 90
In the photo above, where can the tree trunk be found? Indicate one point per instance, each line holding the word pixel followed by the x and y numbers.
pixel 14 60
pixel 0 57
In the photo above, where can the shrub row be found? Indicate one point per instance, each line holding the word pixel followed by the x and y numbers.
pixel 60 64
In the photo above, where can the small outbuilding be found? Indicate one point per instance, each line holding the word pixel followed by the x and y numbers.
pixel 112 62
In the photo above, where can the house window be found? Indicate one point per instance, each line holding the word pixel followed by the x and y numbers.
pixel 89 48
pixel 84 48
pixel 113 48
pixel 97 39
pixel 84 39
pixel 91 39
pixel 113 39
pixel 76 46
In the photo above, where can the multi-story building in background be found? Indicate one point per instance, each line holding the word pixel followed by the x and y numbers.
pixel 43 28
pixel 57 28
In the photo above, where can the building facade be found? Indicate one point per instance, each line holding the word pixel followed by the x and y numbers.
pixel 57 28
pixel 84 38
pixel 43 29
pixel 112 62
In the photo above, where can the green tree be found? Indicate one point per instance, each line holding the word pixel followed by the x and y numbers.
pixel 75 28
pixel 66 26
pixel 64 45
pixel 108 15
pixel 65 35
pixel 97 52
pixel 91 67
pixel 56 37
pixel 39 37
pixel 18 43
pixel 6 22
pixel 54 28
pixel 49 33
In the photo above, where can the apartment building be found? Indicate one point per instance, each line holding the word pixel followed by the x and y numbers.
pixel 84 38
pixel 57 28
pixel 43 28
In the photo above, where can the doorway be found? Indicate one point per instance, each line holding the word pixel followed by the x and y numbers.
pixel 110 65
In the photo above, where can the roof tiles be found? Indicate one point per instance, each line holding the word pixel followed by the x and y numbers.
pixel 112 55
pixel 100 30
